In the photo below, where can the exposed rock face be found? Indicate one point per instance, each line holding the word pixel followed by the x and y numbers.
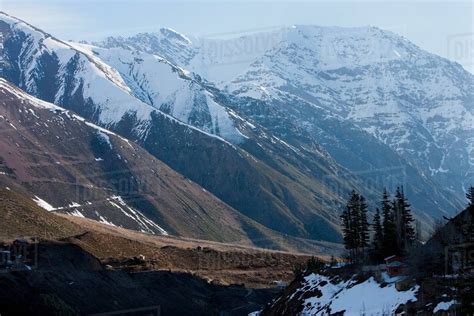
pixel 371 98
pixel 69 165
pixel 284 140
pixel 254 175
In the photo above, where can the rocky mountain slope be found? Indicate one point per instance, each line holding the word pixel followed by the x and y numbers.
pixel 437 279
pixel 268 132
pixel 225 263
pixel 71 166
pixel 317 294
pixel 406 111
pixel 258 174
pixel 68 165
pixel 64 269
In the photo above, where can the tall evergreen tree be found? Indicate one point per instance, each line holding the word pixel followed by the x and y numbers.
pixel 349 225
pixel 377 242
pixel 347 228
pixel 355 226
pixel 389 242
pixel 404 221
pixel 397 216
pixel 363 224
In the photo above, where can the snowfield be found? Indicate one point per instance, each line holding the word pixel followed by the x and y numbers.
pixel 140 86
pixel 444 306
pixel 366 298
pixel 43 204
pixel 164 86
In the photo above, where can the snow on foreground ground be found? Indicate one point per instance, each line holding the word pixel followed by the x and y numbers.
pixel 365 298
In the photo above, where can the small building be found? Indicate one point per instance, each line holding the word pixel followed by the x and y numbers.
pixel 395 265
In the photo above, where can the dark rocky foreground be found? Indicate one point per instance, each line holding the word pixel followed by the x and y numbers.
pixel 70 281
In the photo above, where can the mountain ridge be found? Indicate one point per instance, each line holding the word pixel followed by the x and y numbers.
pixel 265 193
pixel 112 181
pixel 347 61
pixel 292 156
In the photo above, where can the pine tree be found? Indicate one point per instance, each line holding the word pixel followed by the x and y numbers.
pixel 355 226
pixel 470 195
pixel 410 233
pixel 346 228
pixel 397 215
pixel 377 242
pixel 349 226
pixel 363 224
pixel 389 242
pixel 404 221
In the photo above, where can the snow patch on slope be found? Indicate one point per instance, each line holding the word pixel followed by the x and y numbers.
pixel 444 306
pixel 43 204
pixel 146 225
pixel 367 297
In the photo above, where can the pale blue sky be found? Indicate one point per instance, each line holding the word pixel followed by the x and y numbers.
pixel 444 28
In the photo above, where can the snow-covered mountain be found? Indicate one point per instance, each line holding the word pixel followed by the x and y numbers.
pixel 85 81
pixel 72 166
pixel 417 103
pixel 266 131
pixel 162 85
pixel 258 174
pixel 66 164
pixel 167 43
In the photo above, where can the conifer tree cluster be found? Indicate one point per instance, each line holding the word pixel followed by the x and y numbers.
pixel 355 226
pixel 392 227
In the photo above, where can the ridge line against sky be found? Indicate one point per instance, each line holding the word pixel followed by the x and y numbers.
pixel 444 28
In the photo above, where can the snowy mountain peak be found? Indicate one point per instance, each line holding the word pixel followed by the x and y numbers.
pixel 11 20
pixel 417 103
pixel 166 43
pixel 172 34
pixel 310 99
pixel 107 92
pixel 314 47
pixel 337 47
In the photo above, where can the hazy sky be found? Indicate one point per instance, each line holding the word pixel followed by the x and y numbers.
pixel 445 28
